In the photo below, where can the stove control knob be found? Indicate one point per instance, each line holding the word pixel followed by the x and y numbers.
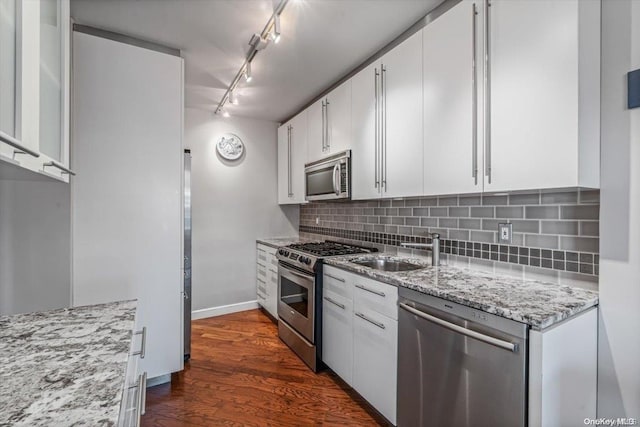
pixel 304 260
pixel 307 261
pixel 281 251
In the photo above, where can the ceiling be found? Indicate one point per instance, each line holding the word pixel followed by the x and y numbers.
pixel 322 40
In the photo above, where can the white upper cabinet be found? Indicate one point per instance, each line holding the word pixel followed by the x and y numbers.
pixel 34 84
pixel 543 94
pixel 338 119
pixel 452 147
pixel 292 154
pixel 387 124
pixel 330 123
pixel 7 70
pixel 365 182
pixel 401 88
pixel 316 131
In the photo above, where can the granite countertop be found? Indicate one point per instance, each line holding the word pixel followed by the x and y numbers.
pixel 537 303
pixel 278 242
pixel 65 367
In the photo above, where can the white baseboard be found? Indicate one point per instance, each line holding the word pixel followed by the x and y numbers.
pixel 223 309
pixel 162 379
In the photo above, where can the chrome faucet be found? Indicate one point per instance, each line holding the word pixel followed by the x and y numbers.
pixel 434 247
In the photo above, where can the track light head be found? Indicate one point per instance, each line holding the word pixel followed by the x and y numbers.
pixel 233 98
pixel 247 72
pixel 275 31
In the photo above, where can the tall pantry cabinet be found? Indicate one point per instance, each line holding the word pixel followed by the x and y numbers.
pixel 127 196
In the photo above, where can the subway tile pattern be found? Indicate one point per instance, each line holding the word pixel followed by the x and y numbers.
pixel 551 230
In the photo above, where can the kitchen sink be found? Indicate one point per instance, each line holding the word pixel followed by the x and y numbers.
pixel 384 264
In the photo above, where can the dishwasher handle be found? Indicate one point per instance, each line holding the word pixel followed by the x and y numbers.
pixel 461 329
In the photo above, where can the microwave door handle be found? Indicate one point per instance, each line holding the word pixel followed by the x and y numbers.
pixel 336 177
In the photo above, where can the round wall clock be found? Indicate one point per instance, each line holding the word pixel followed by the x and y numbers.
pixel 230 147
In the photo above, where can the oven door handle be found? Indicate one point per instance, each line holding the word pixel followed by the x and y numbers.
pixel 336 177
pixel 295 273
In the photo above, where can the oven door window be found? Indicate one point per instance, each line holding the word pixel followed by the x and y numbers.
pixel 294 296
pixel 320 181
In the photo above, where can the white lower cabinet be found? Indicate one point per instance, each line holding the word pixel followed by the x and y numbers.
pixel 563 366
pixel 267 279
pixel 132 405
pixel 375 359
pixel 360 336
pixel 337 334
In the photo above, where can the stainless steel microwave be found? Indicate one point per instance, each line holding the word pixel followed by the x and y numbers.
pixel 329 178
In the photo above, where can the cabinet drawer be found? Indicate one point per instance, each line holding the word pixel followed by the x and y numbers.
pixel 337 334
pixel 375 356
pixel 338 281
pixel 376 296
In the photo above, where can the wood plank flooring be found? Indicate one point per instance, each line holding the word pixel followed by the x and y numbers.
pixel 241 374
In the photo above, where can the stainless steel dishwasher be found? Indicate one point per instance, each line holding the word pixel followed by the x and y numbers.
pixel 458 366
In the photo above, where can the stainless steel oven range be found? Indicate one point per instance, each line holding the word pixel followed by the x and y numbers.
pixel 300 295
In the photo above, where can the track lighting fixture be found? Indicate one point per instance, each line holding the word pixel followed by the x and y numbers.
pixel 258 42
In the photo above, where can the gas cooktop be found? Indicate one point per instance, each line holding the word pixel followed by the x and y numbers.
pixel 306 255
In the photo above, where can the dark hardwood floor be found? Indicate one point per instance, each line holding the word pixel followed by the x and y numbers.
pixel 241 374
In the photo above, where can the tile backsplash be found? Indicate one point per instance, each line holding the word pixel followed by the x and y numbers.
pixel 555 231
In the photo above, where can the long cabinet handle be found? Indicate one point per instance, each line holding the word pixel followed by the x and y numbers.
pixel 326 125
pixel 8 139
pixel 289 159
pixel 143 344
pixel 487 92
pixel 334 302
pixel 461 329
pixel 373 322
pixel 376 130
pixel 64 170
pixel 323 126
pixel 383 146
pixel 339 279
pixel 373 291
pixel 474 80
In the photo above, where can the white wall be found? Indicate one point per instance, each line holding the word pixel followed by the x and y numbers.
pixel 619 340
pixel 234 203
pixel 35 246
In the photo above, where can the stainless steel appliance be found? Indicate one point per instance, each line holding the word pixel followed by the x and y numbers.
pixel 300 295
pixel 458 366
pixel 329 178
pixel 187 255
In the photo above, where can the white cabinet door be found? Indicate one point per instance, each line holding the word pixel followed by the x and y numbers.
pixel 292 155
pixel 34 82
pixel 284 189
pixel 452 154
pixel 365 181
pixel 337 334
pixel 338 118
pixel 299 135
pixel 536 48
pixel 375 358
pixel 402 126
pixel 8 81
pixel 128 108
pixel 315 131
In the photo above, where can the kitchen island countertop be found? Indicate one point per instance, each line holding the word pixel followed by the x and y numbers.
pixel 65 367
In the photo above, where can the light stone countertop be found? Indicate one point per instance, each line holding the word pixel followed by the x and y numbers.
pixel 537 303
pixel 65 367
pixel 278 242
